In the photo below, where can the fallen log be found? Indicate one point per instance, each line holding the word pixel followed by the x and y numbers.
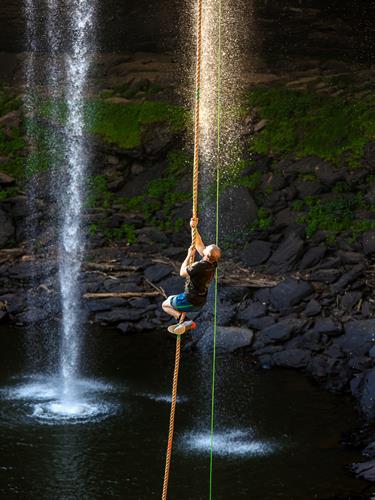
pixel 121 295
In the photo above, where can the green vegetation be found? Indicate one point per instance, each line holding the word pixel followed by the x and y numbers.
pixel 307 124
pixel 8 193
pixel 335 216
pixel 8 101
pixel 121 124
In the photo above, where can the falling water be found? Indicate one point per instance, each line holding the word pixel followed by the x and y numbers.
pixel 71 243
pixel 61 42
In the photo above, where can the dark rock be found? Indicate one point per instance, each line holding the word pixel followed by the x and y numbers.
pixel 256 253
pixel 253 310
pixel 308 188
pixel 158 272
pixel 312 257
pixel 368 242
pixel 334 372
pixel 369 451
pixel 234 293
pixel 327 174
pixel 365 470
pixel 260 323
pixel 125 327
pixel 263 295
pixel 119 315
pixel 347 278
pixel 7 230
pixel 15 303
pixel 281 331
pixel 292 358
pixel 363 388
pixel 34 315
pixel 286 255
pixel 325 275
pixel 237 200
pixel 119 285
pixel 358 338
pixel 351 258
pixel 289 293
pixel 313 308
pixel 228 339
pixel 172 285
pixel 328 327
pixel 349 300
pixel 6 180
pixel 140 303
pixel 105 304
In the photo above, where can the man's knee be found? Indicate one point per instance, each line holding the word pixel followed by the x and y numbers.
pixel 167 303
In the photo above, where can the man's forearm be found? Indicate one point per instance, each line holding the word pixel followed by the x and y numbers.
pixel 184 265
pixel 199 245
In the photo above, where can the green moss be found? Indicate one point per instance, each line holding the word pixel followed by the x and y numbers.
pixel 124 232
pixel 8 193
pixel 336 215
pixel 8 101
pixel 121 124
pixel 307 124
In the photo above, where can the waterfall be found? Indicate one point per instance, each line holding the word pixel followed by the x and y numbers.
pixel 61 40
pixel 71 238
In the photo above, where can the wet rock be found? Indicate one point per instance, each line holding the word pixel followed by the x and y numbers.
pixel 257 253
pixel 140 303
pixel 10 120
pixel 359 337
pixel 292 358
pixel 327 174
pixel 369 451
pixel 365 470
pixel 157 272
pixel 229 339
pixel 332 371
pixel 363 388
pixel 328 327
pixel 308 188
pixel 14 303
pixel 313 308
pixel 312 257
pixel 34 315
pixel 325 275
pixel 289 293
pixel 286 255
pixel 125 328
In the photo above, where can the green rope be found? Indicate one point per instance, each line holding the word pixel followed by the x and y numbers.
pixel 218 165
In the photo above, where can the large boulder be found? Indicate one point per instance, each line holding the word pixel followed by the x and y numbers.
pixel 158 272
pixel 238 210
pixel 257 253
pixel 358 338
pixel 228 339
pixel 292 358
pixel 281 331
pixel 287 254
pixel 365 470
pixel 289 293
pixel 363 388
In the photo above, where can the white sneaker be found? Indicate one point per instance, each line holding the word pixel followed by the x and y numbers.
pixel 183 327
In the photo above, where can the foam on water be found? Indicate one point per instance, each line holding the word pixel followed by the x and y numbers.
pixel 43 400
pixel 230 443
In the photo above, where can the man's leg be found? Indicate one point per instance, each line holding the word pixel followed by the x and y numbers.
pixel 167 307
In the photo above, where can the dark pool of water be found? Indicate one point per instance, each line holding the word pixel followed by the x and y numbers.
pixel 277 435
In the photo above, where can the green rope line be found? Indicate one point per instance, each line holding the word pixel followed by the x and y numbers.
pixel 218 165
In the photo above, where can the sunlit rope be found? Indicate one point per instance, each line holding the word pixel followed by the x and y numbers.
pixel 194 237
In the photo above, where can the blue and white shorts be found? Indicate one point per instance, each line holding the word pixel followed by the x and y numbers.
pixel 181 304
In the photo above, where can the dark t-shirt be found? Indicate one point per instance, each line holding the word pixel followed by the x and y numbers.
pixel 200 276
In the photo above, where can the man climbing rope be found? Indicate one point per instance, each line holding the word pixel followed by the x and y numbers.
pixel 198 278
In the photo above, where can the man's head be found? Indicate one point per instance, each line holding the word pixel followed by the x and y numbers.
pixel 212 253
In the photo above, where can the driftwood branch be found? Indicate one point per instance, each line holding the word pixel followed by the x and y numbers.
pixel 111 267
pixel 121 295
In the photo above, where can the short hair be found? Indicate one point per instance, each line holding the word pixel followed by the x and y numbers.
pixel 214 252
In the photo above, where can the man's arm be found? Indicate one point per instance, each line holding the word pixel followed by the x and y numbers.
pixel 190 257
pixel 199 245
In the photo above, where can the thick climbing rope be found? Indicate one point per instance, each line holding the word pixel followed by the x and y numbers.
pixel 217 222
pixel 194 237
